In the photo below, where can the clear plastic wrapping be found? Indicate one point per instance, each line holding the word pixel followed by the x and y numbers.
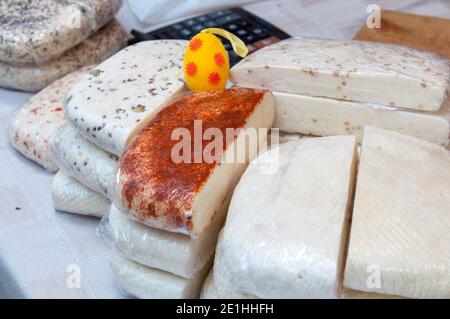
pixel 82 160
pixel 216 286
pixel 155 248
pixel 148 283
pixel 369 72
pixel 62 24
pixel 94 50
pixel 288 240
pixel 182 197
pixel 400 239
pixel 32 125
pixel 70 196
pixel 123 93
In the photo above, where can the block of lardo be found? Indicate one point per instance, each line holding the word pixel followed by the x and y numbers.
pixel 289 240
pixel 158 185
pixel 97 48
pixel 32 125
pixel 114 101
pixel 171 252
pixel 83 160
pixel 149 283
pixel 324 117
pixel 69 196
pixel 399 242
pixel 369 72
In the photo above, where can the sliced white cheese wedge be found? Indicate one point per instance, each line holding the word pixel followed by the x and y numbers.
pixel 70 196
pixel 324 117
pixel 82 160
pixel 32 125
pixel 148 283
pixel 386 74
pixel 112 103
pixel 182 194
pixel 400 239
pixel 288 240
pixel 167 251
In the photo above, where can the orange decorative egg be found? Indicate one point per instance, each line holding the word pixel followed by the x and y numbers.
pixel 206 65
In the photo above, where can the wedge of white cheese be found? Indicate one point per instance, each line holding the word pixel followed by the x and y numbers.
pixel 32 125
pixel 112 103
pixel 359 71
pixel 70 196
pixel 400 239
pixel 288 240
pixel 148 283
pixel 175 253
pixel 82 160
pixel 324 117
pixel 158 187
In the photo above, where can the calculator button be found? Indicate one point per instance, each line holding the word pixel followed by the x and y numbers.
pixel 241 32
pixel 243 23
pixel 218 14
pixel 177 27
pixel 211 24
pixel 232 27
pixel 197 28
pixel 201 19
pixel 228 19
pixel 185 33
pixel 249 39
pixel 260 33
pixel 190 22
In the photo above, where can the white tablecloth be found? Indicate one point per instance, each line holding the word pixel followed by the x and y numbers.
pixel 38 245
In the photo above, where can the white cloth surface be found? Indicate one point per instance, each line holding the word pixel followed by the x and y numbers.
pixel 157 11
pixel 37 243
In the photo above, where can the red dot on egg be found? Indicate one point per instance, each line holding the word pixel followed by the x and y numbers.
pixel 195 44
pixel 191 69
pixel 219 59
pixel 214 78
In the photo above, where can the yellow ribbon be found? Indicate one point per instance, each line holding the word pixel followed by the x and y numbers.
pixel 237 44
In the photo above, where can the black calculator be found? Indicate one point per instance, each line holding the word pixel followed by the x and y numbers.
pixel 254 31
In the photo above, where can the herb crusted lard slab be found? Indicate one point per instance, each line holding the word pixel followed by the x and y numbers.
pixel 183 196
pixel 98 47
pixel 82 160
pixel 32 125
pixel 35 32
pixel 110 104
pixel 370 72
